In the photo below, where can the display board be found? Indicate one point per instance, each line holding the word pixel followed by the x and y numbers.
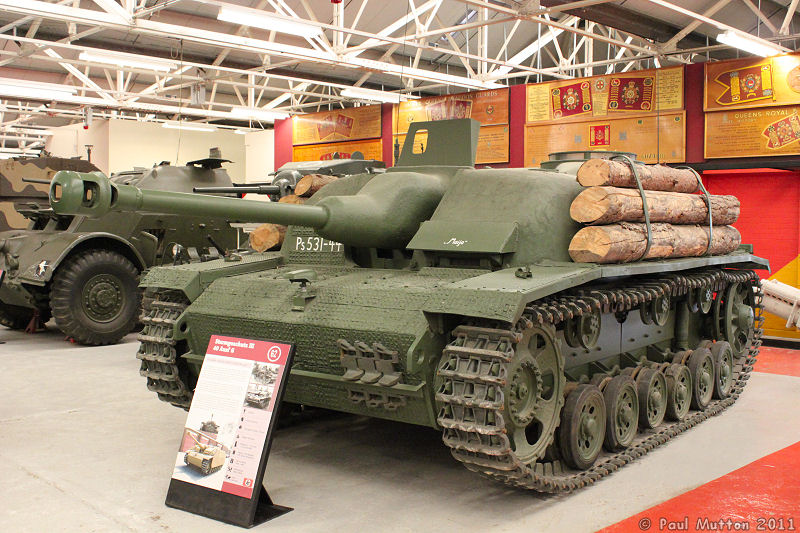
pixel 752 82
pixel 639 112
pixel 220 463
pixel 371 149
pixel 490 108
pixel 752 107
pixel 753 132
pixel 652 137
pixel 337 125
pixel 610 95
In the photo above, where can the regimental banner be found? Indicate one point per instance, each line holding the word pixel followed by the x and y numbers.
pixel 372 149
pixel 647 91
pixel 752 82
pixel 571 100
pixel 653 138
pixel 631 93
pixel 492 144
pixel 337 125
pixel 746 85
pixel 599 135
pixel 753 133
pixel 487 107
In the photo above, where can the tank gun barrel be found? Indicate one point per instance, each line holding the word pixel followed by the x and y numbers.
pixel 94 195
pixel 241 189
pixel 36 180
pixel 386 212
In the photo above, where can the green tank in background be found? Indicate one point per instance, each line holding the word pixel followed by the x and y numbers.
pixel 13 191
pixel 441 295
pixel 85 271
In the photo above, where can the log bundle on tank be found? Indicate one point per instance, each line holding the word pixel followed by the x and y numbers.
pixel 270 236
pixel 613 208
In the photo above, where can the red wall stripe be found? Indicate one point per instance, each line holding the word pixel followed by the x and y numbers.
pixel 283 142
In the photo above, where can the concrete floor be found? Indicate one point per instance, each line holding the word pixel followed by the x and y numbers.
pixel 85 447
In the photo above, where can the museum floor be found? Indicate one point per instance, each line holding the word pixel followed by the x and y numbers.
pixel 85 447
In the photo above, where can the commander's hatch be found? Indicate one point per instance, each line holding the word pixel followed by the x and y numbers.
pixel 441 143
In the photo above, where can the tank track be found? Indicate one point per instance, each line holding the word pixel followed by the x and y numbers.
pixel 158 352
pixel 473 425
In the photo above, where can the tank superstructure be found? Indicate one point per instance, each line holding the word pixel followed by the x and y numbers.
pixel 442 295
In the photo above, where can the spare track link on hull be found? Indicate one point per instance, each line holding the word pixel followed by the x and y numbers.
pixel 158 350
pixel 485 448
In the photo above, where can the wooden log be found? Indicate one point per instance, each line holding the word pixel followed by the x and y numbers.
pixel 598 172
pixel 605 205
pixel 626 241
pixel 267 236
pixel 292 199
pixel 311 183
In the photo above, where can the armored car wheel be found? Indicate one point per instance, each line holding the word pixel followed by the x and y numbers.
pixel 701 367
pixel 723 369
pixel 622 413
pixel 94 297
pixel 652 390
pixel 14 317
pixel 679 391
pixel 583 426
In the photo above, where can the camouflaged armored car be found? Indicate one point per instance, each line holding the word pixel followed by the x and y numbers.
pixel 443 295
pixel 84 271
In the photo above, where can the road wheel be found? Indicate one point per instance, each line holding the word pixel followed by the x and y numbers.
pixel 94 297
pixel 583 426
pixel 701 367
pixel 651 388
pixel 723 369
pixel 622 413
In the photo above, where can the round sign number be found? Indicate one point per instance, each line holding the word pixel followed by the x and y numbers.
pixel 274 354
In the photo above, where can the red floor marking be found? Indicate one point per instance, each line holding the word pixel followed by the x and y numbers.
pixel 778 361
pixel 761 496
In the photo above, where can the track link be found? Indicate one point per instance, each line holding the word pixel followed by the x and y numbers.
pixel 158 352
pixel 471 396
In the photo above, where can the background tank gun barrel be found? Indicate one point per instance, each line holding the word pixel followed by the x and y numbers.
pixel 36 180
pixel 241 189
pixel 94 195
pixel 385 213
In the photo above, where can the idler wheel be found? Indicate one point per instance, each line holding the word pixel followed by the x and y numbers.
pixel 679 391
pixel 701 367
pixel 723 369
pixel 734 318
pixel 651 387
pixel 622 413
pixel 583 426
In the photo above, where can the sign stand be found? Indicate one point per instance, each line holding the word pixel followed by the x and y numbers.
pixel 232 491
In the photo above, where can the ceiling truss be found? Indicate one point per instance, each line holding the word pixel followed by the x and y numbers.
pixel 434 46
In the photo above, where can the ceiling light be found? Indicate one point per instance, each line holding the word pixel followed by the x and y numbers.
pixel 748 43
pixel 30 89
pixel 376 96
pixel 126 60
pixel 253 113
pixel 189 126
pixel 240 132
pixel 267 21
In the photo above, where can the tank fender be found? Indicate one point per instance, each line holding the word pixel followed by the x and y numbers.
pixel 503 294
pixel 58 246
